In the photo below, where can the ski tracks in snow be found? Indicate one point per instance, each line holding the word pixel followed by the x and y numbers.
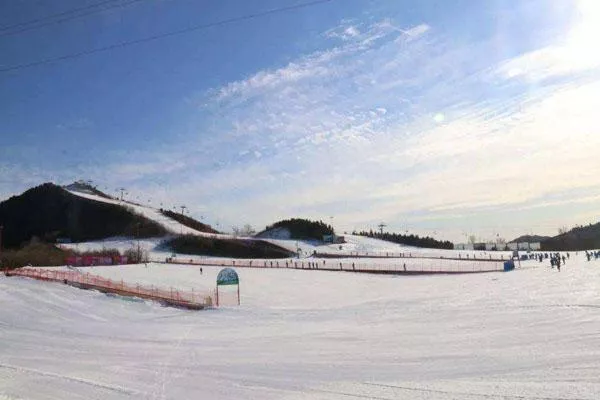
pixel 83 381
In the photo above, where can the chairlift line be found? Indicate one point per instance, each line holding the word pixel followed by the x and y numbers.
pixel 60 14
pixel 65 19
pixel 164 35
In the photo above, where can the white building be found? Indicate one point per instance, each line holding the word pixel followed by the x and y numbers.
pixel 492 246
pixel 534 246
pixel 463 246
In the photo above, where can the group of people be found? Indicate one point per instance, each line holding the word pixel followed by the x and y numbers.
pixel 594 254
pixel 555 260
pixel 552 256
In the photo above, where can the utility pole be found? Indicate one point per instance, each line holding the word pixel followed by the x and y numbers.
pixel 1 229
pixel 139 252
pixel 180 224
pixel 332 230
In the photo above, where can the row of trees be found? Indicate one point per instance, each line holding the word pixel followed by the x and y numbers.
pixel 187 221
pixel 239 248
pixel 409 240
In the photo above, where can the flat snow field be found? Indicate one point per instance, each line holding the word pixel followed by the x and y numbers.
pixel 533 333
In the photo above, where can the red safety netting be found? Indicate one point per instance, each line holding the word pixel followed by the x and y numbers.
pixel 189 299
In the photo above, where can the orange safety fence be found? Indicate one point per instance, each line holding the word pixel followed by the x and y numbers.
pixel 449 254
pixel 189 299
pixel 409 265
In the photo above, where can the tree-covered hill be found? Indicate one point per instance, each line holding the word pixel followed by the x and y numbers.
pixel 188 221
pixel 49 212
pixel 299 229
pixel 409 240
pixel 238 248
pixel 578 238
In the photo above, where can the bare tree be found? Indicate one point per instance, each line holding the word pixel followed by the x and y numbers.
pixel 562 230
pixel 472 239
pixel 248 230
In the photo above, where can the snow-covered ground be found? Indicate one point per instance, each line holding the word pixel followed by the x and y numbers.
pixel 365 246
pixel 527 334
pixel 121 244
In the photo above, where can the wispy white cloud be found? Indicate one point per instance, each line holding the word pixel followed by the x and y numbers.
pixel 412 125
pixel 400 123
pixel 343 32
pixel 575 52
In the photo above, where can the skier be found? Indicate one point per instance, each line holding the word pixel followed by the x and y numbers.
pixel 558 264
pixel 564 259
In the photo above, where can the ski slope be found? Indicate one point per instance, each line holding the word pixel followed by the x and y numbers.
pixel 153 214
pixel 527 334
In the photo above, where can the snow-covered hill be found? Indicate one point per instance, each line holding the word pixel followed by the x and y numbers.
pixel 153 214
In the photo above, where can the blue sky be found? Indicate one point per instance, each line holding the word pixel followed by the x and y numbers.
pixel 444 118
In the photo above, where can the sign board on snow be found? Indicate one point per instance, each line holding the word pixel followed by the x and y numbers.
pixel 227 276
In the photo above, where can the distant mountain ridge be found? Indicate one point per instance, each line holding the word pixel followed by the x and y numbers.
pixel 579 238
pixel 530 239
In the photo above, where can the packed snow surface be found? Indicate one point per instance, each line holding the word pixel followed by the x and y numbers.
pixel 300 334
